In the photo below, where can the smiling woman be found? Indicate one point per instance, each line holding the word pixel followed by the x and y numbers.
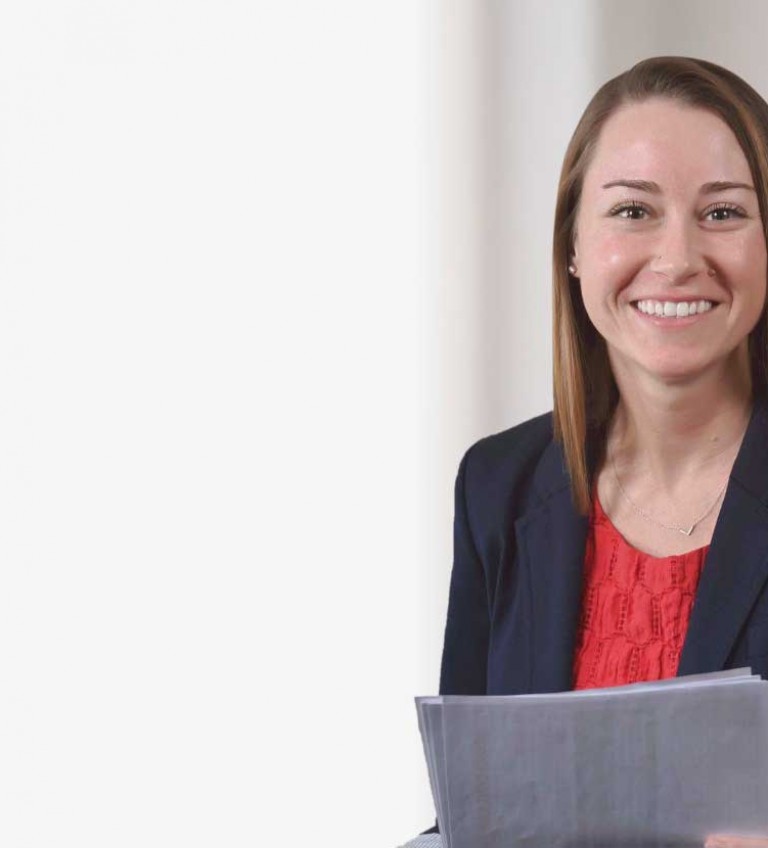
pixel 673 266
pixel 624 536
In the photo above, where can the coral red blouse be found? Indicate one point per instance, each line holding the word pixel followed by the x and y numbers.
pixel 634 610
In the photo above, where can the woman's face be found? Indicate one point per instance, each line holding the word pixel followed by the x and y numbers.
pixel 668 199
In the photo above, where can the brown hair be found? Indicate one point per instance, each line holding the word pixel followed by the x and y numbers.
pixel 585 393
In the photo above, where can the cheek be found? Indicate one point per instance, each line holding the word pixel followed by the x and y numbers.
pixel 748 248
pixel 608 256
pixel 609 265
pixel 747 261
pixel 598 292
pixel 612 267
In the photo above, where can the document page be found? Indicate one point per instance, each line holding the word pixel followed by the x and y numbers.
pixel 651 764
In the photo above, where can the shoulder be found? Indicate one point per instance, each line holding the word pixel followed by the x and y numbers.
pixel 511 451
pixel 497 473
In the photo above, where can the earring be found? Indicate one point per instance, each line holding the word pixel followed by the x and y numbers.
pixel 572 269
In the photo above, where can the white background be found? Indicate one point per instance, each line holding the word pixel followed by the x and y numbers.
pixel 266 270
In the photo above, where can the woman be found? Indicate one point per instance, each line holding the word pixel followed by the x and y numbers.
pixel 624 537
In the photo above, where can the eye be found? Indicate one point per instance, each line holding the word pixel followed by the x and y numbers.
pixel 725 212
pixel 630 210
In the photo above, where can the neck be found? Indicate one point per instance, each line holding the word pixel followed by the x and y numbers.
pixel 674 431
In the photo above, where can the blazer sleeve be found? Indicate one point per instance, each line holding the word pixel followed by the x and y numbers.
pixel 465 650
pixel 467 629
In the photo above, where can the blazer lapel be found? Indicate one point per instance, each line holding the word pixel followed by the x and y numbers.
pixel 736 568
pixel 551 541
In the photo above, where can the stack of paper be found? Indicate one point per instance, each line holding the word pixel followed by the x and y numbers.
pixel 654 764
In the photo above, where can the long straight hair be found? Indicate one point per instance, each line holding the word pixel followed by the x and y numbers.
pixel 585 392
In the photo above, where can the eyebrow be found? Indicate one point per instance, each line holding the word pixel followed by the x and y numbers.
pixel 655 188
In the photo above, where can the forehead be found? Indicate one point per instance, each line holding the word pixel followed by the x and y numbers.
pixel 669 142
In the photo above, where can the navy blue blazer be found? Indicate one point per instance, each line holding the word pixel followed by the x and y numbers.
pixel 519 544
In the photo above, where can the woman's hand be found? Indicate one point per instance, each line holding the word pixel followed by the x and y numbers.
pixel 720 840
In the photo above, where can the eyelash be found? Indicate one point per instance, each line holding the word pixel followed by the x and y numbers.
pixel 634 204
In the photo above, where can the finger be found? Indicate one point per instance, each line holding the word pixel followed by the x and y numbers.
pixel 722 840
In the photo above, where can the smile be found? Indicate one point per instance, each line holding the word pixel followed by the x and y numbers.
pixel 673 309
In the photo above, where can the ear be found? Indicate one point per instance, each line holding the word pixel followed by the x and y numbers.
pixel 573 259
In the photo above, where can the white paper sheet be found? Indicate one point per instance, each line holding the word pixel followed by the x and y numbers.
pixel 650 764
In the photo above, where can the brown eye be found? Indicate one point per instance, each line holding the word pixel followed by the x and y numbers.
pixel 725 212
pixel 630 211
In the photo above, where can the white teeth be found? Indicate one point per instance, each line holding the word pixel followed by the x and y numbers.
pixel 674 309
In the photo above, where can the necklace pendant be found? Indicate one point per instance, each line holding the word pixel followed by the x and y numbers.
pixel 688 531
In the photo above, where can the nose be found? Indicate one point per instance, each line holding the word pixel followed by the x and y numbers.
pixel 677 254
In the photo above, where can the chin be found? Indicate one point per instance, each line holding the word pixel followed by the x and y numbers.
pixel 679 371
pixel 678 363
